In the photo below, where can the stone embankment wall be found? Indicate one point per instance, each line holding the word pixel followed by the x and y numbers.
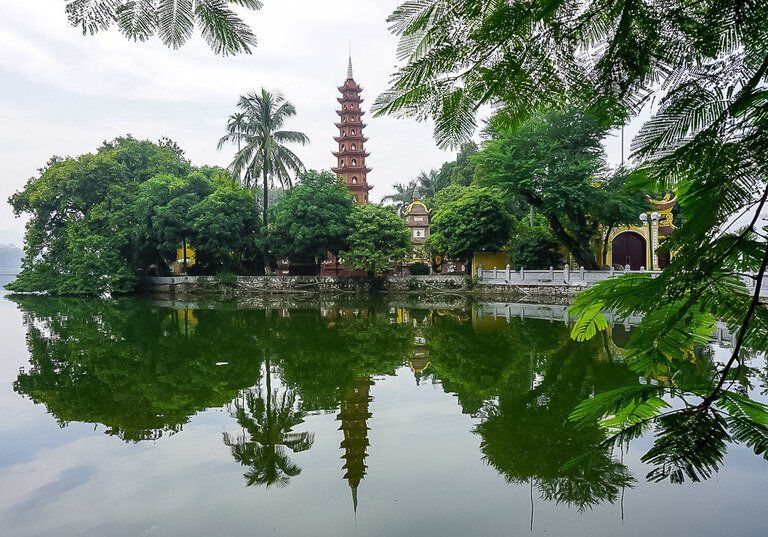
pixel 435 285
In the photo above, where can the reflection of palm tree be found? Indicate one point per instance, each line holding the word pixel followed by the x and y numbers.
pixel 267 424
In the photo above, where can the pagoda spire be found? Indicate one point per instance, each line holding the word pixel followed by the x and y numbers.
pixel 351 152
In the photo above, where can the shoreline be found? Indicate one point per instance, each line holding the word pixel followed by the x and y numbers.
pixel 459 286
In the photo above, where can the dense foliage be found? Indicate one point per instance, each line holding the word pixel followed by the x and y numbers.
pixel 703 68
pixel 312 219
pixel 378 240
pixel 100 220
pixel 173 22
pixel 555 163
pixel 476 221
pixel 534 246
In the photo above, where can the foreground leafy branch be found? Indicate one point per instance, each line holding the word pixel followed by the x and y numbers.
pixel 173 21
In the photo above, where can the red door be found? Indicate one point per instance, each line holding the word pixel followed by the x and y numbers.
pixel 628 248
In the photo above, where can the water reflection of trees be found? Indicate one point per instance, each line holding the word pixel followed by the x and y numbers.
pixel 267 421
pixel 139 370
pixel 143 370
pixel 523 380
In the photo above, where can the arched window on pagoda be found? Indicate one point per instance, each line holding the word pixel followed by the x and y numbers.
pixel 354 162
pixel 352 132
pixel 354 180
pixel 341 162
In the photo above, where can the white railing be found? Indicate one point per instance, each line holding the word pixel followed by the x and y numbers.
pixel 547 312
pixel 577 278
pixel 565 276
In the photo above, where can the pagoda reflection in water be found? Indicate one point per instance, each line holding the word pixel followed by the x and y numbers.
pixel 354 414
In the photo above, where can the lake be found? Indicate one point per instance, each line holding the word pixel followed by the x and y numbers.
pixel 132 417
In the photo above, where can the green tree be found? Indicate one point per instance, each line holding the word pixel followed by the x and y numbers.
pixel 379 239
pixel 555 162
pixel 172 21
pixel 100 220
pixel 261 140
pixel 475 222
pixel 446 195
pixel 313 218
pixel 533 246
pixel 79 236
pixel 459 171
pixel 706 65
pixel 225 228
pixel 402 196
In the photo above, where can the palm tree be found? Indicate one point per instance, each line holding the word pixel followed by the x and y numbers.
pixel 428 183
pixel 267 424
pixel 402 196
pixel 174 22
pixel 256 130
pixel 236 126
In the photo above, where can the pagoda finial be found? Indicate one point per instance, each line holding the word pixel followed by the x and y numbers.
pixel 349 67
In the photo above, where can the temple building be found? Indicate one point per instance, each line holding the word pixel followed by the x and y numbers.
pixel 638 246
pixel 417 217
pixel 354 415
pixel 351 154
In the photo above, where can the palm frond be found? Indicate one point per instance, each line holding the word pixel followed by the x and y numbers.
pixel 222 28
pixel 137 19
pixel 176 21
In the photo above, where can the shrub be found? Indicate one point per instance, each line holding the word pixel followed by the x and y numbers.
pixel 419 269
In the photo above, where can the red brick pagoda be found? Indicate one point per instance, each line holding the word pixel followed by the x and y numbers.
pixel 351 154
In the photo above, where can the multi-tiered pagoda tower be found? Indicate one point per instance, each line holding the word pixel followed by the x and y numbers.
pixel 354 416
pixel 351 154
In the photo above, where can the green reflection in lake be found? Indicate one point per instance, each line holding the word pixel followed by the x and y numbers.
pixel 144 369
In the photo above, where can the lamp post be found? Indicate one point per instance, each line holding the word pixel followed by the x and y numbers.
pixel 650 218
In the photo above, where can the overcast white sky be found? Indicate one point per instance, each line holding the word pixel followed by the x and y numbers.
pixel 64 93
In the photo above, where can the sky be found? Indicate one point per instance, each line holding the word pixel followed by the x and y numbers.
pixel 62 93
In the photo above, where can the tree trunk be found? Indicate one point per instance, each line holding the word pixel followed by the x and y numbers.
pixel 604 253
pixel 267 268
pixel 584 256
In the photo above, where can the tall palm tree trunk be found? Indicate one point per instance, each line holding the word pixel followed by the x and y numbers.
pixel 267 268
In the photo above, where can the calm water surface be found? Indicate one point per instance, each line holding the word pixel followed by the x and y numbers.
pixel 130 418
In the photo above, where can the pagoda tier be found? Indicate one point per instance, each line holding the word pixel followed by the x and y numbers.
pixel 350 138
pixel 358 152
pixel 350 111
pixel 351 153
pixel 351 124
pixel 351 169
pixel 350 88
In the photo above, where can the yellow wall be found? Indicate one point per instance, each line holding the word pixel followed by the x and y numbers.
pixel 490 260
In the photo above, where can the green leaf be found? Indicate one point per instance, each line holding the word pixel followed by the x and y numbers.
pixel 589 323
pixel 629 403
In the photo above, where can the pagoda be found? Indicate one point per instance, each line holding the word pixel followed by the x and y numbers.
pixel 351 154
pixel 354 415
